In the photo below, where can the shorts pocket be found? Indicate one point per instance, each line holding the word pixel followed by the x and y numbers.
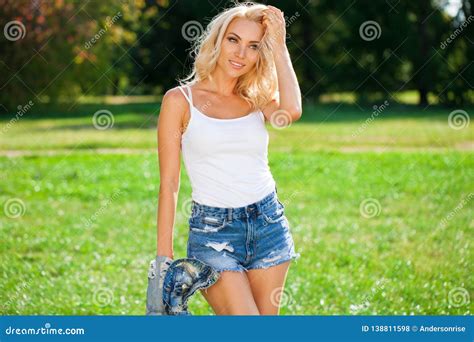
pixel 274 213
pixel 207 223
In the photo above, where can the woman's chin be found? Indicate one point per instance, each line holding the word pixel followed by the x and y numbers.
pixel 235 73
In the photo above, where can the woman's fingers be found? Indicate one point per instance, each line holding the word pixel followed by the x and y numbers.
pixel 274 10
pixel 274 15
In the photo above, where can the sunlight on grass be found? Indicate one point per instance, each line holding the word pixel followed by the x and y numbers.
pixel 79 228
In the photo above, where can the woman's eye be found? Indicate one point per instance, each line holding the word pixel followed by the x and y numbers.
pixel 232 39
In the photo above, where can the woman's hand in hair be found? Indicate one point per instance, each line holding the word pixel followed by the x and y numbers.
pixel 274 23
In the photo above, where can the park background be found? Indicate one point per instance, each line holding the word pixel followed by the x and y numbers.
pixel 376 177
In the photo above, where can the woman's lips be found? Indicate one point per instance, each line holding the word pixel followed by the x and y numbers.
pixel 236 65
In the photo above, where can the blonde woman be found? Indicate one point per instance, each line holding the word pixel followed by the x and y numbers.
pixel 242 77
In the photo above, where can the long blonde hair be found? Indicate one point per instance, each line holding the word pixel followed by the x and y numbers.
pixel 258 86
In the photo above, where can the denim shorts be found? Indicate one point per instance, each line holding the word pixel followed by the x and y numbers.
pixel 244 238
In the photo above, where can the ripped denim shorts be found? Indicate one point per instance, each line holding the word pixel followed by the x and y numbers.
pixel 237 239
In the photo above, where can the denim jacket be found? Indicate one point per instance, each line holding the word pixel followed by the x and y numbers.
pixel 172 283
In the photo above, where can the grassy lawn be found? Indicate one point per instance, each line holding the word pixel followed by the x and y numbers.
pixel 322 127
pixel 86 230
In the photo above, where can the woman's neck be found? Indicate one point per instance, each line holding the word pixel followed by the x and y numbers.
pixel 220 83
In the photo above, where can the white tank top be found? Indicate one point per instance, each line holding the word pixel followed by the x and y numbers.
pixel 226 159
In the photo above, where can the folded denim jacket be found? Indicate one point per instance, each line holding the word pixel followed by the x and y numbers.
pixel 172 283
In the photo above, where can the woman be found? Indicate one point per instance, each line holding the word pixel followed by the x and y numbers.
pixel 237 224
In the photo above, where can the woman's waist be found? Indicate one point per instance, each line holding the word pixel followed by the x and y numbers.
pixel 212 205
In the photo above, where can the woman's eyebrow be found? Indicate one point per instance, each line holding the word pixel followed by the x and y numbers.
pixel 253 41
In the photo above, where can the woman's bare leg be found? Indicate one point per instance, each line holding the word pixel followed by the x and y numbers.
pixel 231 295
pixel 267 287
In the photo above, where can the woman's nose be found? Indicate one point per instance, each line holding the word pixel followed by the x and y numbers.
pixel 241 52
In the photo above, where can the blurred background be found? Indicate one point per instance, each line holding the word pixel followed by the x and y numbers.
pixel 359 50
pixel 376 176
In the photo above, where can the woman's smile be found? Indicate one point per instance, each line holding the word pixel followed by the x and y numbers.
pixel 236 65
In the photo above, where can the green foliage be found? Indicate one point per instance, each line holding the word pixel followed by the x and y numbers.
pixel 67 49
pixel 75 49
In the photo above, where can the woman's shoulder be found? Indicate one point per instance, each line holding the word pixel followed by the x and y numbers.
pixel 174 92
pixel 174 99
pixel 175 95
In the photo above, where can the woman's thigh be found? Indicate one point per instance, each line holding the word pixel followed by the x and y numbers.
pixel 267 285
pixel 231 295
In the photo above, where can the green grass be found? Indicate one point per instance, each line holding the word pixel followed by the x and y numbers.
pixel 84 241
pixel 322 127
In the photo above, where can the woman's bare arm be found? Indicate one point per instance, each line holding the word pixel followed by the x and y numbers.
pixel 170 119
pixel 289 100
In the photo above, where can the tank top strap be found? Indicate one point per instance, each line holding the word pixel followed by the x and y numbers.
pixel 190 93
pixel 188 96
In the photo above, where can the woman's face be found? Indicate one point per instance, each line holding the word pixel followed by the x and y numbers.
pixel 239 49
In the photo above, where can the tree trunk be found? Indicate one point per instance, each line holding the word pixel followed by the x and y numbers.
pixel 423 44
